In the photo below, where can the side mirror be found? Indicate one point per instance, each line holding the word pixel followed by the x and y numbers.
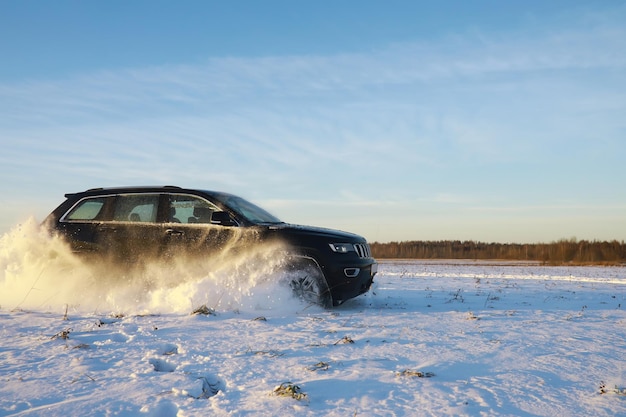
pixel 222 218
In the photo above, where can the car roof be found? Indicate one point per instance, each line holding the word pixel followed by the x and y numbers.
pixel 142 189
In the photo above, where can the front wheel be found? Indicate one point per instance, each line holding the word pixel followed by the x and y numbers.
pixel 309 285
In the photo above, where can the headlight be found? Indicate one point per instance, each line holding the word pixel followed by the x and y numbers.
pixel 341 247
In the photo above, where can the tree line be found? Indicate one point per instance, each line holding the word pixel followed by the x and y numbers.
pixel 559 252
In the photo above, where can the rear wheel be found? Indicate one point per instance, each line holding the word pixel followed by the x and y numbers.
pixel 309 285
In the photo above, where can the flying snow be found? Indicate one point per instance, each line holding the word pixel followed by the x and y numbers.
pixel 39 271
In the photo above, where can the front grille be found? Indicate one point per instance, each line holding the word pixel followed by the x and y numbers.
pixel 363 250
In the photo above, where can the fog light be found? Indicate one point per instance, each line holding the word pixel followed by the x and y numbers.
pixel 351 272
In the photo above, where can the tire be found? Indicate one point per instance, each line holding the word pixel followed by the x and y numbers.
pixel 309 285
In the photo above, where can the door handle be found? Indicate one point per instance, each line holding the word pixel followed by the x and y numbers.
pixel 174 232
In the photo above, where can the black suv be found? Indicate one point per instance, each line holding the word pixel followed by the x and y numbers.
pixel 131 224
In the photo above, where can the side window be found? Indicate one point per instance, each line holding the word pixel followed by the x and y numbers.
pixel 136 208
pixel 88 209
pixel 190 209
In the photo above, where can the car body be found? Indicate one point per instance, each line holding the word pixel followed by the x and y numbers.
pixel 127 224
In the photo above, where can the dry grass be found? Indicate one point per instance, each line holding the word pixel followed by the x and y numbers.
pixel 415 374
pixel 289 389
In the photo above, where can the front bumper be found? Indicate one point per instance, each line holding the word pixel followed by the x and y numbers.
pixel 349 281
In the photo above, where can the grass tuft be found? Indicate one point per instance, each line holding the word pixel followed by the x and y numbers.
pixel 615 390
pixel 415 374
pixel 344 340
pixel 204 310
pixel 289 389
pixel 472 316
pixel 63 334
pixel 320 366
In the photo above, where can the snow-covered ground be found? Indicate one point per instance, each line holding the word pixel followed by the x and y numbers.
pixel 431 338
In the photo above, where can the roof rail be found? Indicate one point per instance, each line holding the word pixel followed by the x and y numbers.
pixel 133 186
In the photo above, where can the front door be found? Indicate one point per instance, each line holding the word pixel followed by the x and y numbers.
pixel 189 231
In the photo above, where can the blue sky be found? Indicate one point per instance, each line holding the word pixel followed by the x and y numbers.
pixel 398 120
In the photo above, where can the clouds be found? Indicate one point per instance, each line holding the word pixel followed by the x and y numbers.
pixel 454 59
pixel 476 115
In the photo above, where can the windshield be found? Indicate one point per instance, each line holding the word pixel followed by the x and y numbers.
pixel 251 212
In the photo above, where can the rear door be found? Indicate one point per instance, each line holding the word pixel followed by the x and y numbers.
pixel 132 232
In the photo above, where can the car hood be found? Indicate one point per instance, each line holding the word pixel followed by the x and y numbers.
pixel 336 235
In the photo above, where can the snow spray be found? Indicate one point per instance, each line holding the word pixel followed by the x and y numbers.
pixel 38 271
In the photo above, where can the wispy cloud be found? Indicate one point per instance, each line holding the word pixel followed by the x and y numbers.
pixel 224 81
pixel 415 121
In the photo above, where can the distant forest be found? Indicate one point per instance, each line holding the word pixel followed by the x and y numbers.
pixel 561 252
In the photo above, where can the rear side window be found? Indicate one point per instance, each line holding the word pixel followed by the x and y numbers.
pixel 87 209
pixel 136 208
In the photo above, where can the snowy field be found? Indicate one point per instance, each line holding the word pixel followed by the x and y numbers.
pixel 431 339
